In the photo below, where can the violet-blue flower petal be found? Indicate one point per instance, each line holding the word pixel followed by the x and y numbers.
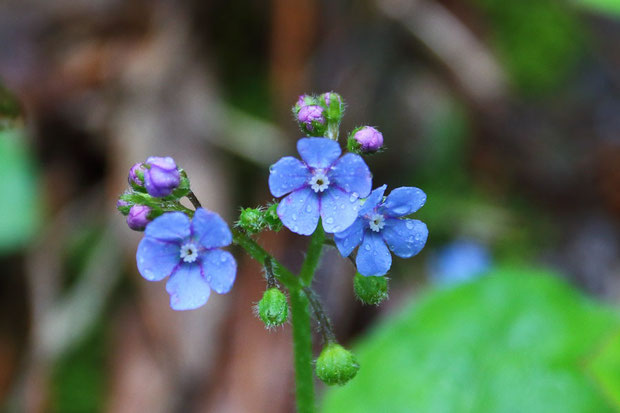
pixel 338 210
pixel 187 288
pixel 286 175
pixel 209 230
pixel 318 152
pixel 405 237
pixel 373 200
pixel 156 259
pixel 351 174
pixel 404 201
pixel 347 240
pixel 171 226
pixel 373 256
pixel 219 268
pixel 299 211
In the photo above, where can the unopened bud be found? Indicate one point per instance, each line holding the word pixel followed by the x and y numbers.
pixel 273 308
pixel 336 365
pixel 272 219
pixel 304 100
pixel 370 290
pixel 312 120
pixel 138 217
pixel 161 176
pixel 251 219
pixel 123 206
pixel 136 177
pixel 365 139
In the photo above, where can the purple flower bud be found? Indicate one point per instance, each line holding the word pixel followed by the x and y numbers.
pixel 369 139
pixel 329 95
pixel 309 114
pixel 161 176
pixel 121 204
pixel 138 217
pixel 136 175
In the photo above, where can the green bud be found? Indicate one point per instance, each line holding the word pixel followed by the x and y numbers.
pixel 370 290
pixel 336 365
pixel 273 308
pixel 272 219
pixel 251 219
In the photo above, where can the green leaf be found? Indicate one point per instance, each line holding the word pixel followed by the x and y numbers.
pixel 513 341
pixel 20 209
pixel 611 7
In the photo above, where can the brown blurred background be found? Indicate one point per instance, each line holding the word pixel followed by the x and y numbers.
pixel 507 113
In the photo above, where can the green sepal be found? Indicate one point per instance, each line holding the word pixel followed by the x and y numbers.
pixel 370 290
pixel 272 309
pixel 336 365
pixel 271 217
pixel 184 186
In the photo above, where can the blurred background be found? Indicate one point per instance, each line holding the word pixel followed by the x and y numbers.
pixel 505 112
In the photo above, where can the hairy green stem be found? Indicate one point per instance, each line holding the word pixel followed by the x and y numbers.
pixel 313 255
pixel 323 321
pixel 257 252
pixel 302 348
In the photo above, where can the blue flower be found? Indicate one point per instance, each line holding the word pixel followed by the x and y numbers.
pixel 188 252
pixel 380 226
pixel 324 185
pixel 459 261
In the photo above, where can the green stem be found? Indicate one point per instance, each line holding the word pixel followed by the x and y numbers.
pixel 313 255
pixel 257 252
pixel 302 348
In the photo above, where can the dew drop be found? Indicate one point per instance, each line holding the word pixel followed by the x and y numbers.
pixel 409 225
pixel 308 208
pixel 330 220
pixel 294 217
pixel 367 247
pixel 224 258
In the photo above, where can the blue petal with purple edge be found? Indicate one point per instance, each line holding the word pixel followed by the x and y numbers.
pixel 404 201
pixel 373 256
pixel 156 259
pixel 187 288
pixel 347 240
pixel 219 269
pixel 351 174
pixel 405 237
pixel 338 209
pixel 299 211
pixel 318 152
pixel 171 226
pixel 209 229
pixel 286 175
pixel 372 201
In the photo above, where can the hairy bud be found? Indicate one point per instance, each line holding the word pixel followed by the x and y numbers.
pixel 370 290
pixel 336 365
pixel 273 308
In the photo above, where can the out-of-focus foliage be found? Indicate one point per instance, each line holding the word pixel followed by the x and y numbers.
pixel 611 7
pixel 19 209
pixel 538 41
pixel 516 340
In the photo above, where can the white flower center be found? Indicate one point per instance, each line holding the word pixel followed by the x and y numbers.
pixel 319 182
pixel 189 252
pixel 377 222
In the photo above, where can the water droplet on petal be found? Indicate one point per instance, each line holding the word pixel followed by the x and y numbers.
pixel 224 258
pixel 409 225
pixel 367 247
pixel 308 208
pixel 294 217
pixel 330 220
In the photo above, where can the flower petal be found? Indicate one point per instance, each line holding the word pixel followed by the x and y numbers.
pixel 351 174
pixel 187 288
pixel 156 259
pixel 373 257
pixel 347 240
pixel 318 152
pixel 404 201
pixel 219 269
pixel 209 229
pixel 286 175
pixel 299 211
pixel 372 201
pixel 405 237
pixel 171 226
pixel 338 209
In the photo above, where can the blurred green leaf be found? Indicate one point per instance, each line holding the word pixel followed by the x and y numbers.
pixel 20 209
pixel 611 7
pixel 512 341
pixel 605 368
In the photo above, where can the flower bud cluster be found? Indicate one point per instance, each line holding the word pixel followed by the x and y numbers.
pixel 155 187
pixel 319 115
